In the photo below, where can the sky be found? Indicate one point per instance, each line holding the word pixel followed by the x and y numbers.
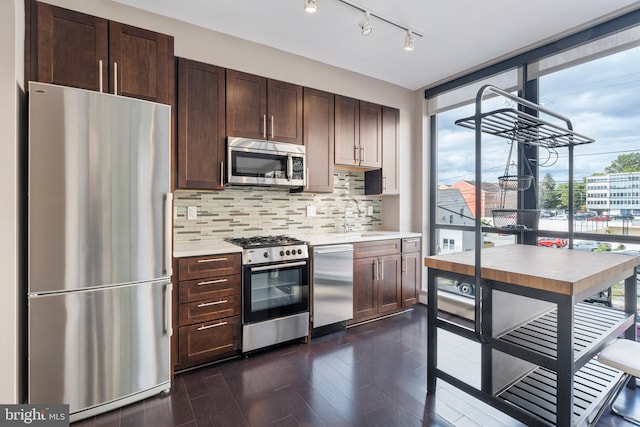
pixel 602 99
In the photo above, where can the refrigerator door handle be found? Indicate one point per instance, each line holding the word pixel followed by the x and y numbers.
pixel 168 234
pixel 168 327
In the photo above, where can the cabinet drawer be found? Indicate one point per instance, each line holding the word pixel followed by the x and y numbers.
pixel 210 340
pixel 208 288
pixel 377 248
pixel 210 309
pixel 411 245
pixel 208 266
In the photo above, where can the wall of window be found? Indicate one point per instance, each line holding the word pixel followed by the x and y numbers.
pixel 595 84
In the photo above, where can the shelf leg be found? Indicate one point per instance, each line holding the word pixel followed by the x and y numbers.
pixel 564 404
pixel 432 340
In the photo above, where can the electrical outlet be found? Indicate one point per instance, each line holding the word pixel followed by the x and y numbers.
pixel 370 210
pixel 192 212
pixel 311 210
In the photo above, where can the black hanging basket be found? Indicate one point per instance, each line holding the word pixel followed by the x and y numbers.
pixel 515 182
pixel 516 219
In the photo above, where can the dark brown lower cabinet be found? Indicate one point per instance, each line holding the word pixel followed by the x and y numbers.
pixel 376 279
pixel 208 309
pixel 411 270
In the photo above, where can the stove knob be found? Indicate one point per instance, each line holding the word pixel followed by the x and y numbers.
pixel 281 253
pixel 288 252
pixel 299 251
pixel 266 254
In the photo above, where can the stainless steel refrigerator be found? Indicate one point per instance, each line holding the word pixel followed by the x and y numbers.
pixel 99 249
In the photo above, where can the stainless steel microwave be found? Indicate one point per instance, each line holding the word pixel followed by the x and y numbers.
pixel 266 163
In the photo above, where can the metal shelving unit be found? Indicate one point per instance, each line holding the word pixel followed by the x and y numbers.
pixel 556 358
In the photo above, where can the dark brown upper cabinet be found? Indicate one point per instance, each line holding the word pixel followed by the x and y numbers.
pixel 358 133
pixel 261 108
pixel 201 125
pixel 318 136
pixel 75 49
pixel 385 180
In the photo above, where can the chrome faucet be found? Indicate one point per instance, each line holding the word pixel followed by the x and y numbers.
pixel 345 226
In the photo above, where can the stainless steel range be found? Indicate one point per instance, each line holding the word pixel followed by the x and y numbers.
pixel 275 290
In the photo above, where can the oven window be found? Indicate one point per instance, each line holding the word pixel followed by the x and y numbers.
pixel 259 165
pixel 273 289
pixel 275 292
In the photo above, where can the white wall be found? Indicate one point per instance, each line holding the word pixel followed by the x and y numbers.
pixel 11 72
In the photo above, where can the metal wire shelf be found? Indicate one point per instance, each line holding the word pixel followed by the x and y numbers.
pixel 524 128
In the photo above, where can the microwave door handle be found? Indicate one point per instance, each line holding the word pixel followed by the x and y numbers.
pixel 289 167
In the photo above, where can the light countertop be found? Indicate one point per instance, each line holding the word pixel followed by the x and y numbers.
pixel 183 249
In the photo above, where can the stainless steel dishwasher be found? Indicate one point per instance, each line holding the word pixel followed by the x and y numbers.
pixel 332 287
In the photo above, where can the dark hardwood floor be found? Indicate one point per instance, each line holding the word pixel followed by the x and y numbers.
pixel 371 375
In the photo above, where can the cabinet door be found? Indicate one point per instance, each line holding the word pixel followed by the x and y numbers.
pixel 389 282
pixel 410 278
pixel 370 135
pixel 390 124
pixel 141 63
pixel 318 136
pixel 69 47
pixel 246 105
pixel 365 292
pixel 347 129
pixel 284 112
pixel 201 125
pixel 206 342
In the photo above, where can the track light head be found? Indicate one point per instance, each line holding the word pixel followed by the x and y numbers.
pixel 365 25
pixel 310 6
pixel 409 41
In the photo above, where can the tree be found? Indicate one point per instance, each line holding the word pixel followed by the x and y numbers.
pixel 549 197
pixel 579 195
pixel 624 163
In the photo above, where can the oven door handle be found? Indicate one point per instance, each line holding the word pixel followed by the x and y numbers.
pixel 272 267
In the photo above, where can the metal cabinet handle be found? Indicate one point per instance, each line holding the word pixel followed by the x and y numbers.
pixel 355 153
pixel 272 133
pixel 211 282
pixel 115 78
pixel 264 126
pixel 215 325
pixel 100 75
pixel 381 270
pixel 168 328
pixel 375 269
pixel 404 266
pixel 168 234
pixel 361 154
pixel 211 260
pixel 209 304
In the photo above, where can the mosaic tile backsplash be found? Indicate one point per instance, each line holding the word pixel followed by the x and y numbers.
pixel 250 211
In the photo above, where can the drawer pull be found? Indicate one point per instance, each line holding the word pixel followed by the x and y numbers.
pixel 411 240
pixel 202 328
pixel 207 304
pixel 211 282
pixel 211 260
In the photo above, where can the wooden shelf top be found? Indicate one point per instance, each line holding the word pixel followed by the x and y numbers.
pixel 563 271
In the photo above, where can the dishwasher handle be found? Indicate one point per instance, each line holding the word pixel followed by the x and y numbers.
pixel 334 249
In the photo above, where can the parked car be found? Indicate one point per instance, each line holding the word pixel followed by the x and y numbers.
pixel 593 246
pixel 623 216
pixel 602 218
pixel 552 242
pixel 559 217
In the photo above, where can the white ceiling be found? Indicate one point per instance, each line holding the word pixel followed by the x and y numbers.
pixel 458 34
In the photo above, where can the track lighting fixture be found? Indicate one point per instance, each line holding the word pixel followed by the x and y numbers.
pixel 365 25
pixel 310 6
pixel 409 41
